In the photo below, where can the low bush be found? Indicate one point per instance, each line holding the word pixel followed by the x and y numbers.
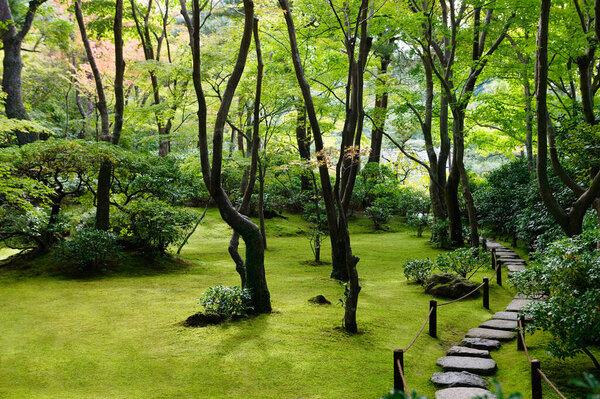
pixel 226 301
pixel 87 251
pixel 152 225
pixel 418 270
pixel 567 272
pixel 463 261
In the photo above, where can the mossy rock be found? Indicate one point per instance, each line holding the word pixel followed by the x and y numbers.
pixel 451 286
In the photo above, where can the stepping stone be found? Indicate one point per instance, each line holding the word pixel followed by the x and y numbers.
pixel 481 343
pixel 466 351
pixel 517 304
pixel 476 365
pixel 463 393
pixel 453 379
pixel 508 325
pixel 489 333
pixel 505 316
pixel 515 268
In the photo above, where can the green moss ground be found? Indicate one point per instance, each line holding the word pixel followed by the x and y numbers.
pixel 118 336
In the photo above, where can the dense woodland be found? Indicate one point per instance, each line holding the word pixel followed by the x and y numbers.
pixel 125 124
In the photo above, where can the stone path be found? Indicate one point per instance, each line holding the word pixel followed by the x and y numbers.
pixel 464 364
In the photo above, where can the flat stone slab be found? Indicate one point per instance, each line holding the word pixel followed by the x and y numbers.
pixel 481 343
pixel 466 351
pixel 507 325
pixel 517 305
pixel 463 393
pixel 505 316
pixel 489 333
pixel 453 379
pixel 476 365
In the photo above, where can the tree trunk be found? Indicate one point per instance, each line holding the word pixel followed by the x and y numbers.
pixel 303 140
pixel 11 79
pixel 12 40
pixel 261 202
pixel 380 111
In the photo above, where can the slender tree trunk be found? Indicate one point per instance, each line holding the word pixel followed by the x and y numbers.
pixel 303 140
pixel 528 124
pixel 261 202
pixel 380 111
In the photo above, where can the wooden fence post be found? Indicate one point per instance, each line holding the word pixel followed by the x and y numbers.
pixel 433 318
pixel 493 258
pixel 521 334
pixel 398 358
pixel 536 380
pixel 499 273
pixel 486 293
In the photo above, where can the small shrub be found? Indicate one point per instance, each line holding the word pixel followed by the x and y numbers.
pixel 463 261
pixel 419 221
pixel 153 225
pixel 226 301
pixel 87 250
pixel 439 234
pixel 418 270
pixel 380 212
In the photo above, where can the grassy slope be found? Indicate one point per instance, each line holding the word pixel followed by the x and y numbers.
pixel 118 336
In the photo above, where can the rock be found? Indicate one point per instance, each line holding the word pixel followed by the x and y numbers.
pixel 448 285
pixel 319 300
pixel 508 325
pixel 463 393
pixel 517 305
pixel 515 268
pixel 489 333
pixel 466 351
pixel 203 319
pixel 481 343
pixel 459 379
pixel 475 365
pixel 505 316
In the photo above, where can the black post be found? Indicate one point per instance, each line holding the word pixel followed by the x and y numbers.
pixel 521 334
pixel 493 258
pixel 536 380
pixel 499 273
pixel 486 293
pixel 398 358
pixel 433 318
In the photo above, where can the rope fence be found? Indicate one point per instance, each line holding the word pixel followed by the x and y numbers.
pixel 399 377
pixel 536 372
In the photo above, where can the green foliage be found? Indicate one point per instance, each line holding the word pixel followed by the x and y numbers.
pixel 462 261
pixel 419 221
pixel 589 383
pixel 567 273
pixel 87 251
pixel 152 225
pixel 380 212
pixel 226 301
pixel 10 127
pixel 439 234
pixel 418 270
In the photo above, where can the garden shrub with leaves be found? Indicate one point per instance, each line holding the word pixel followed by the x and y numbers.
pixel 418 270
pixel 152 225
pixel 87 251
pixel 462 261
pixel 226 301
pixel 567 273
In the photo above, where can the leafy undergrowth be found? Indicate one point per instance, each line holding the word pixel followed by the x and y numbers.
pixel 120 335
